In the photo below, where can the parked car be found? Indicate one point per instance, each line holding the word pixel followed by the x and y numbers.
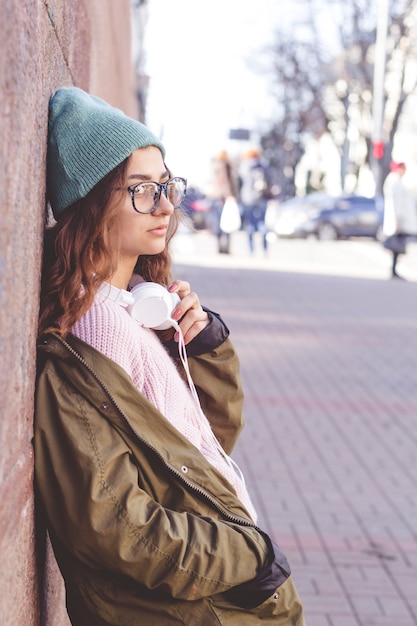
pixel 329 218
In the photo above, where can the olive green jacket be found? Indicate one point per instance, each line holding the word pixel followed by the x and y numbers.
pixel 144 529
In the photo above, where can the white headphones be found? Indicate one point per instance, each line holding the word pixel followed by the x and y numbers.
pixel 153 305
pixel 150 304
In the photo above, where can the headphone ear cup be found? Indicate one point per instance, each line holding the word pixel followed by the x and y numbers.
pixel 153 306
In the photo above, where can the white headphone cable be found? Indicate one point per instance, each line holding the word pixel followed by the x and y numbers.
pixel 184 360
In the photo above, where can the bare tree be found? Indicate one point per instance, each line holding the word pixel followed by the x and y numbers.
pixel 322 81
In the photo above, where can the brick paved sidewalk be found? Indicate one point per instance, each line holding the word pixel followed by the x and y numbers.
pixel 329 450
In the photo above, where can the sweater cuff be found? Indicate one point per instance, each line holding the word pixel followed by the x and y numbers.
pixel 210 338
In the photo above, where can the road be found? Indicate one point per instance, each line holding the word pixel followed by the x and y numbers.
pixel 328 349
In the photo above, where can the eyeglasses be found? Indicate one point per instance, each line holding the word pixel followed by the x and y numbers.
pixel 146 196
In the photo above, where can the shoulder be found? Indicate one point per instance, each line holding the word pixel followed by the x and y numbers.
pixel 104 322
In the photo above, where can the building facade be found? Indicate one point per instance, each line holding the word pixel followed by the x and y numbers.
pixel 45 44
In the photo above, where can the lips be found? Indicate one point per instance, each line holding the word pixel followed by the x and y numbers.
pixel 159 230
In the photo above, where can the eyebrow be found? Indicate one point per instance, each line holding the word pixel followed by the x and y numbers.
pixel 145 177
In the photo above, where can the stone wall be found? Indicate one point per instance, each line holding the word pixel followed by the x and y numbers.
pixel 44 44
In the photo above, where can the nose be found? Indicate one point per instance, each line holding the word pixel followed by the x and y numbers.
pixel 165 207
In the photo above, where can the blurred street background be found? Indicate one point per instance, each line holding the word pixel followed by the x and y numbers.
pixel 288 123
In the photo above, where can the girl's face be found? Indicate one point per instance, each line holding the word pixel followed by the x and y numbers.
pixel 143 233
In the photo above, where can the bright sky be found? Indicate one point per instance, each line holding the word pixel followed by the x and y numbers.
pixel 201 85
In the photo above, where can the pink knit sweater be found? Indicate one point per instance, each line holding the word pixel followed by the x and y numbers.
pixel 109 328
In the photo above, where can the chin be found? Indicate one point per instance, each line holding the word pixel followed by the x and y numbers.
pixel 154 250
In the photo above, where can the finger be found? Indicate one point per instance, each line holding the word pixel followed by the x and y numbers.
pixel 190 302
pixel 193 323
pixel 181 287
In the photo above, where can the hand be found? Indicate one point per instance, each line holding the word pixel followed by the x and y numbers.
pixel 254 592
pixel 188 313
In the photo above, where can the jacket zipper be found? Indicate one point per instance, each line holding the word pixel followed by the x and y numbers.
pixel 229 516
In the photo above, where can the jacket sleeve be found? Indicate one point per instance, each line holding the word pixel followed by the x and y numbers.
pixel 210 338
pixel 216 375
pixel 91 488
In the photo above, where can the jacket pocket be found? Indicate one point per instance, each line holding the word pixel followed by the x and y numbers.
pixel 284 602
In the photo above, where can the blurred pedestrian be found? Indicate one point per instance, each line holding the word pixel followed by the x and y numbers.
pixel 253 197
pixel 150 519
pixel 400 214
pixel 225 211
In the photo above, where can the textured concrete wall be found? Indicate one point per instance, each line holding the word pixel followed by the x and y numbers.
pixel 44 44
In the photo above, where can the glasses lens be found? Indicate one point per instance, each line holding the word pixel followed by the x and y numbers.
pixel 176 191
pixel 145 195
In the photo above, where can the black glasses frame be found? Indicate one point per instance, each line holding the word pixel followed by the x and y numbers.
pixel 161 187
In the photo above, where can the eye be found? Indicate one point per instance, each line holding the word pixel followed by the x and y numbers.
pixel 145 190
pixel 176 191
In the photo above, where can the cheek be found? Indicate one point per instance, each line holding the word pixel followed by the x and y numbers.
pixel 128 221
pixel 131 229
pixel 134 238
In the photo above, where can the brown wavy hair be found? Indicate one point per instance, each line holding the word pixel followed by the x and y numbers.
pixel 79 254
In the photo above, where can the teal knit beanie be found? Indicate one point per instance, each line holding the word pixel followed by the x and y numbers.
pixel 87 139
